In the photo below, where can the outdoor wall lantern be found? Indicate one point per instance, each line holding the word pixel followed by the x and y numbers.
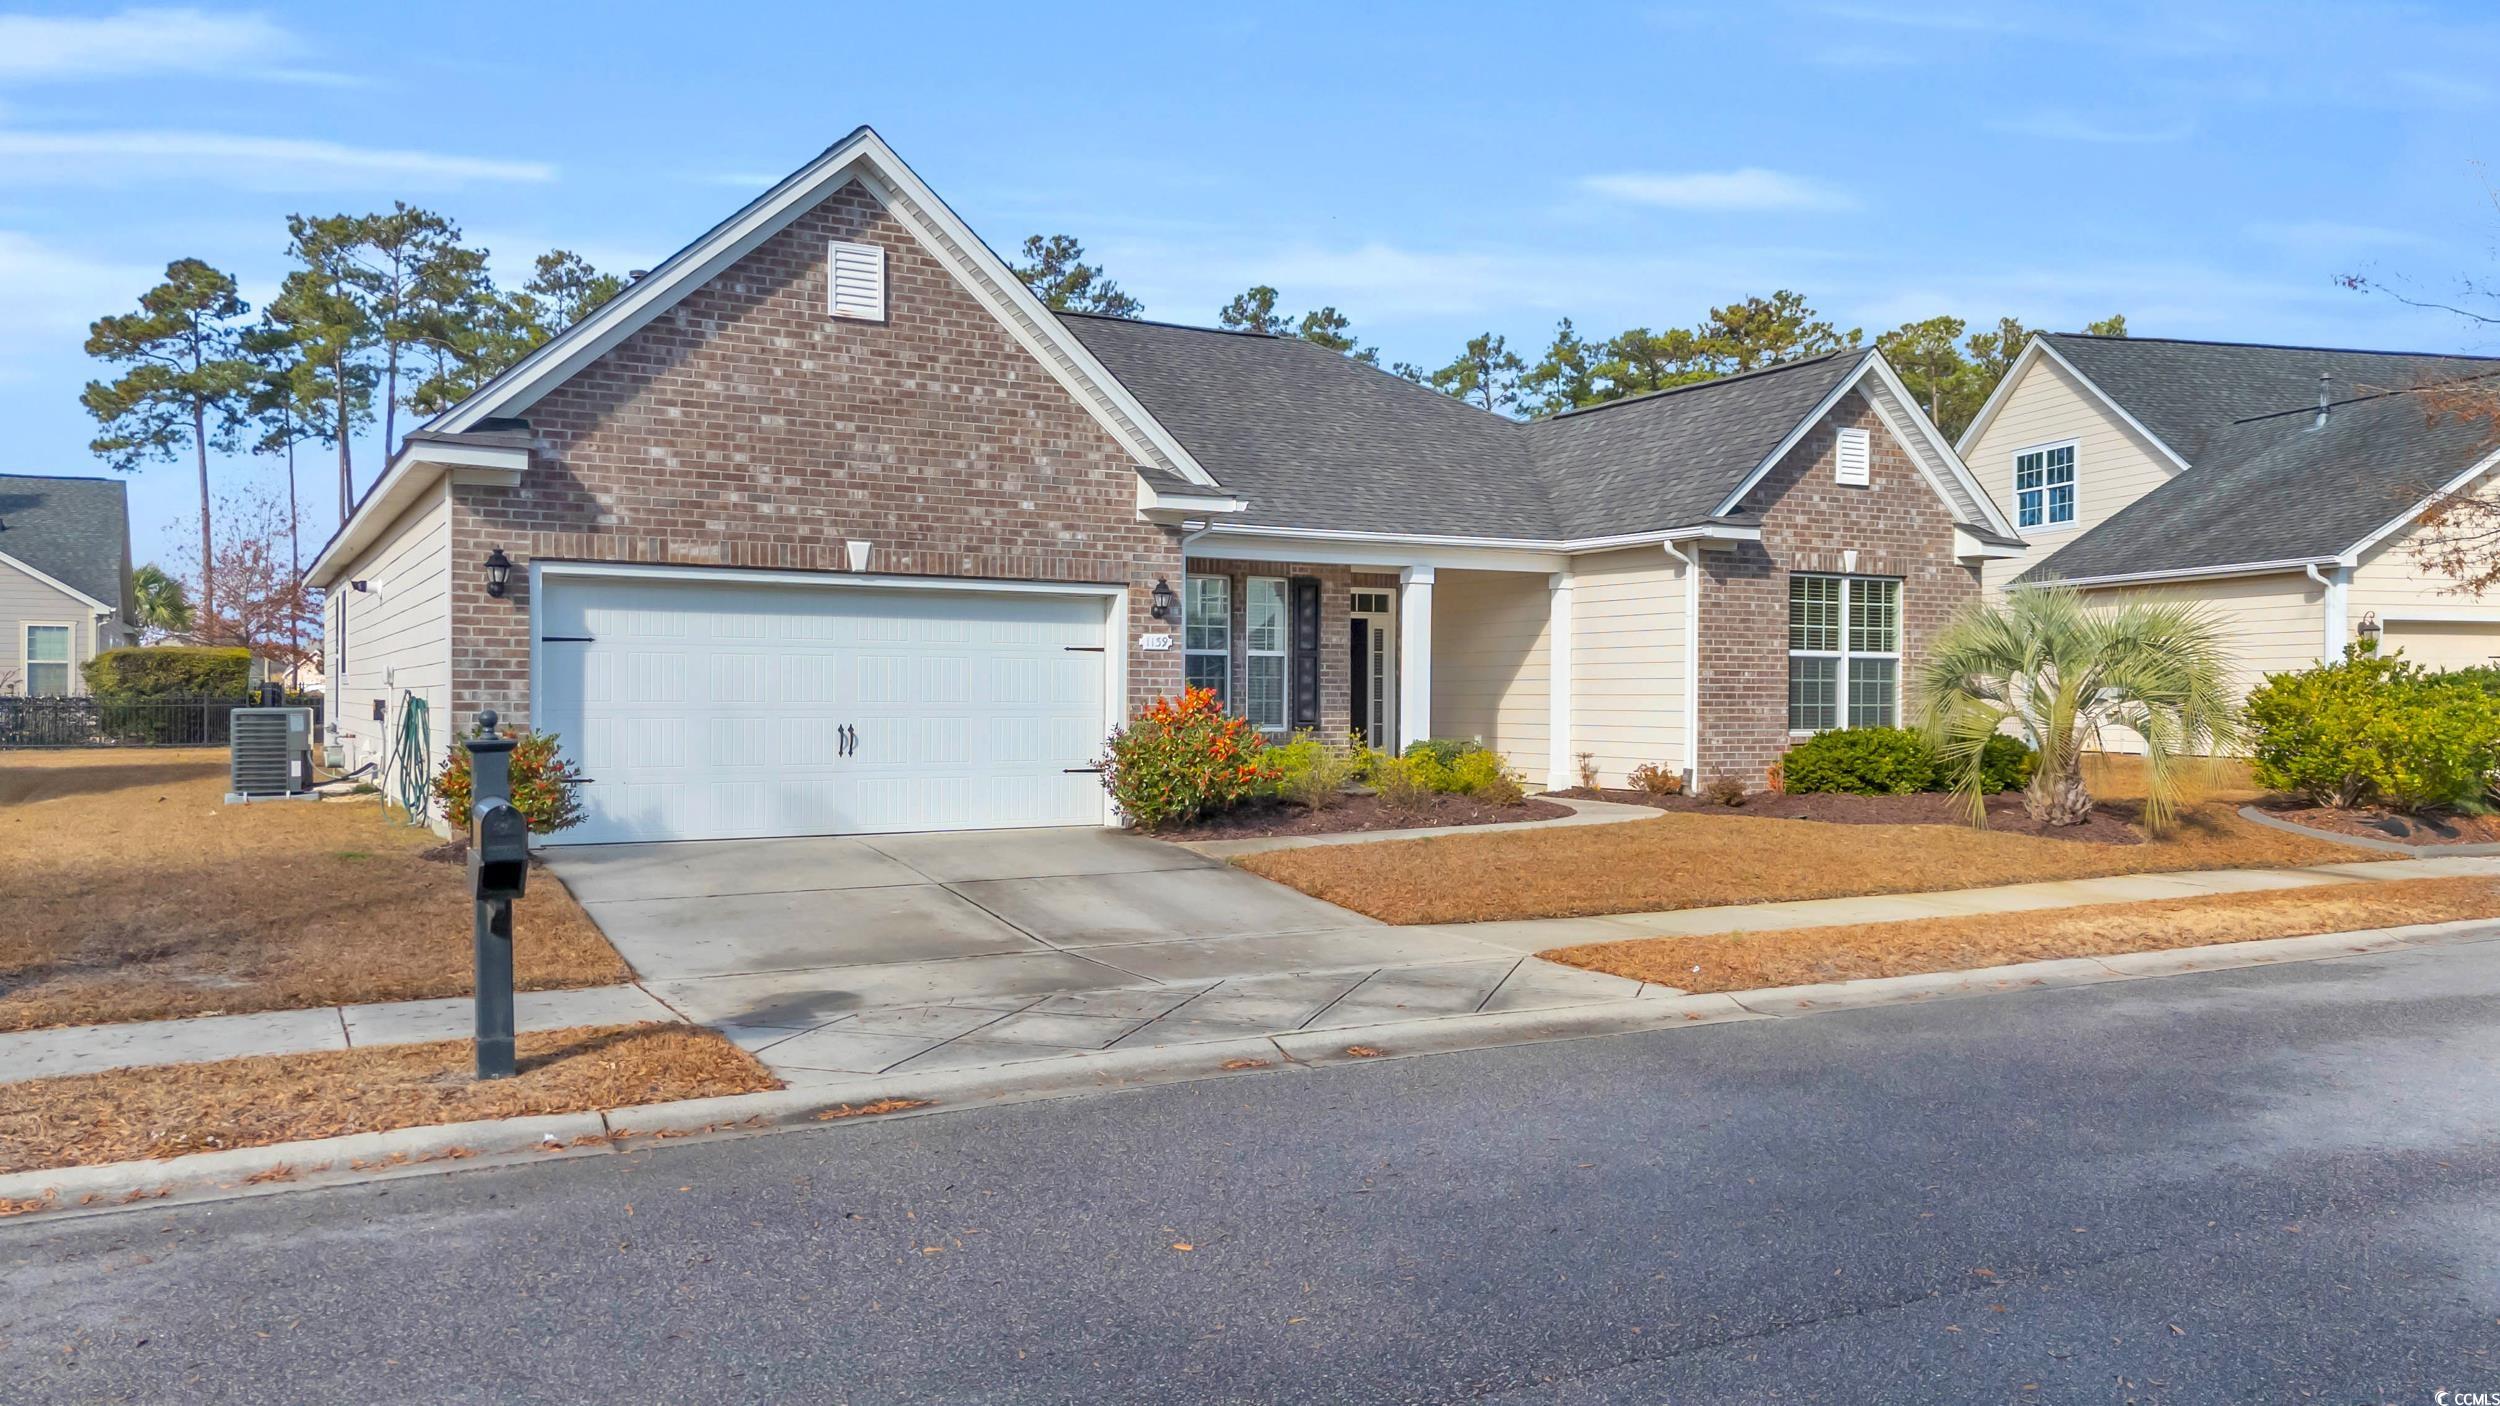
pixel 1163 599
pixel 2369 628
pixel 498 572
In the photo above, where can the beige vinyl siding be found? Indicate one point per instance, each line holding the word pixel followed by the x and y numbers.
pixel 2114 465
pixel 26 601
pixel 1491 663
pixel 2432 623
pixel 1627 661
pixel 2274 623
pixel 396 640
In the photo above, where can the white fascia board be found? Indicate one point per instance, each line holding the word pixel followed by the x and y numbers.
pixel 1385 551
pixel 1939 456
pixel 831 580
pixel 421 464
pixel 866 157
pixel 2199 573
pixel 1170 506
pixel 1967 547
pixel 2352 556
pixel 2104 397
pixel 58 584
pixel 1789 441
pixel 2004 391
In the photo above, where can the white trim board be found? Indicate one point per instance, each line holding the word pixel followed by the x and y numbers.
pixel 2033 350
pixel 57 584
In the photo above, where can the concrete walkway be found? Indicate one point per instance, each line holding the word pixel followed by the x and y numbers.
pixel 819 1023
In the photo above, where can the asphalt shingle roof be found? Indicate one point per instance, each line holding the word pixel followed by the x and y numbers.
pixel 1314 439
pixel 2282 488
pixel 2265 483
pixel 2186 391
pixel 74 530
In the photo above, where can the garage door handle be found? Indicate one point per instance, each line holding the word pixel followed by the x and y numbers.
pixel 849 739
pixel 566 639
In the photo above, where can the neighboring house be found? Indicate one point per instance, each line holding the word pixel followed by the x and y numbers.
pixel 2277 486
pixel 826 524
pixel 64 580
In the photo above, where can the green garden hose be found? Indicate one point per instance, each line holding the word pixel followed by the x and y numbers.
pixel 415 748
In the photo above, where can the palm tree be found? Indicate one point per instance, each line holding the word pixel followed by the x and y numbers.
pixel 164 606
pixel 2057 674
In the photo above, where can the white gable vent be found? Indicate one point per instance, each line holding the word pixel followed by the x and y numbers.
pixel 1849 457
pixel 857 281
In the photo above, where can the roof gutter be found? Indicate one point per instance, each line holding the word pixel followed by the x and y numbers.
pixel 1700 531
pixel 2194 573
pixel 421 465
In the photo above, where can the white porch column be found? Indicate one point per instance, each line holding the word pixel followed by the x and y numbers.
pixel 1558 768
pixel 1414 655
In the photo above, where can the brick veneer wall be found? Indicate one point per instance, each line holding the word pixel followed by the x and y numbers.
pixel 1898 527
pixel 748 428
pixel 1336 587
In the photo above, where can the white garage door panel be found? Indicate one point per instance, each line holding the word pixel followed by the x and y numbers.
pixel 705 711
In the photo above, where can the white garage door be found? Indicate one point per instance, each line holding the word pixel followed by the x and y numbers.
pixel 713 711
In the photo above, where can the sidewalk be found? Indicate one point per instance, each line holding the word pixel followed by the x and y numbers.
pixel 1480 970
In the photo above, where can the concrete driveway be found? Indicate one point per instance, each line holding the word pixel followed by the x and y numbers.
pixel 848 955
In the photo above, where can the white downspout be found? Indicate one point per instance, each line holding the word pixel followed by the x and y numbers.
pixel 1692 659
pixel 2336 613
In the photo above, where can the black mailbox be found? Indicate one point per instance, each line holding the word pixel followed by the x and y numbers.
pixel 499 850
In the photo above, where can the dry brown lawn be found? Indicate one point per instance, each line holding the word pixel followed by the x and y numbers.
pixel 170 1109
pixel 1802 956
pixel 136 893
pixel 1703 861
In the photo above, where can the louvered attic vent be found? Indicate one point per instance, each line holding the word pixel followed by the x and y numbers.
pixel 1850 457
pixel 857 281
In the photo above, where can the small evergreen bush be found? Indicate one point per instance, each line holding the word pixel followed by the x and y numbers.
pixel 1860 761
pixel 2371 729
pixel 542 784
pixel 170 671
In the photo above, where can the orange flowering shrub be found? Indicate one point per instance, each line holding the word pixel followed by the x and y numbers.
pixel 1183 757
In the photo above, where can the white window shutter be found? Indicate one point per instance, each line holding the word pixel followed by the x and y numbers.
pixel 856 280
pixel 1850 457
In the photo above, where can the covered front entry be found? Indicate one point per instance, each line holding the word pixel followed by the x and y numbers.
pixel 741 708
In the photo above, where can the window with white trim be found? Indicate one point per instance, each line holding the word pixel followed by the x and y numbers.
pixel 1263 646
pixel 2044 486
pixel 1844 652
pixel 47 660
pixel 1207 635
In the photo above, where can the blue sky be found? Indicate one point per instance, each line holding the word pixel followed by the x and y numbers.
pixel 1434 171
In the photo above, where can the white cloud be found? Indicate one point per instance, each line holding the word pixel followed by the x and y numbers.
pixel 2050 124
pixel 1751 188
pixel 258 163
pixel 42 48
pixel 53 290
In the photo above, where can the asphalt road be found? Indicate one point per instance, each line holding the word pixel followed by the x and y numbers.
pixel 2266 1185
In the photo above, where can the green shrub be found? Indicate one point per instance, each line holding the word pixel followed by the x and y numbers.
pixel 1444 750
pixel 170 671
pixel 2372 729
pixel 542 784
pixel 1309 772
pixel 2005 764
pixel 1181 758
pixel 1859 761
pixel 1400 784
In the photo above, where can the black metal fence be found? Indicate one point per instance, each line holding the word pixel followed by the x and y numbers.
pixel 127 722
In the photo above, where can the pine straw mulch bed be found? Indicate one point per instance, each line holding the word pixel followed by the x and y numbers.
pixel 2379 823
pixel 1353 813
pixel 1704 861
pixel 2111 822
pixel 1803 956
pixel 170 1109
pixel 136 893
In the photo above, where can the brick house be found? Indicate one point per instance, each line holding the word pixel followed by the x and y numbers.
pixel 826 524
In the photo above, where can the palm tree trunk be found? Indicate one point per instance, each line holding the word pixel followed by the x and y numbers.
pixel 2056 795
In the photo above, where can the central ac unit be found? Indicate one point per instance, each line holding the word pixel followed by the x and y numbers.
pixel 272 752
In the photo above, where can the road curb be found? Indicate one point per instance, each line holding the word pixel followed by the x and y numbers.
pixel 363 1157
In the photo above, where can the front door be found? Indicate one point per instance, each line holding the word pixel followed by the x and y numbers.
pixel 1373 646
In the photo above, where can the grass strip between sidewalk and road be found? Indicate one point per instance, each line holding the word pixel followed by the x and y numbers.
pixel 167 1110
pixel 1745 961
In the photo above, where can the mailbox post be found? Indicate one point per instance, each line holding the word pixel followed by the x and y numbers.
pixel 499 861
